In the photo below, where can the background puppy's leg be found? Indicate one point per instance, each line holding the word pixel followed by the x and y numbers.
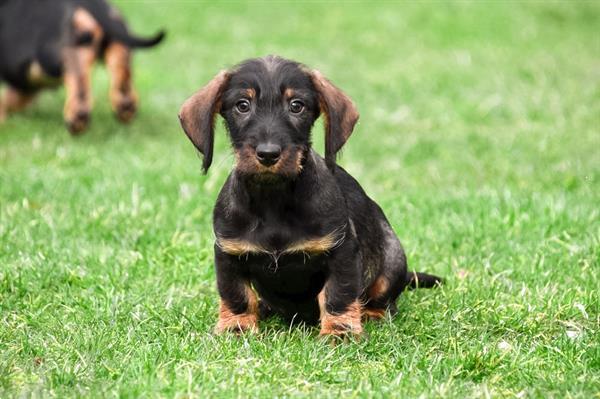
pixel 238 309
pixel 339 305
pixel 13 101
pixel 3 110
pixel 78 63
pixel 78 103
pixel 122 95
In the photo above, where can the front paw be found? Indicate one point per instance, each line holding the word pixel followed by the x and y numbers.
pixel 229 321
pixel 237 324
pixel 346 324
pixel 341 328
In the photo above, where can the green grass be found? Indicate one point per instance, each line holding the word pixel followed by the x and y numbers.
pixel 479 137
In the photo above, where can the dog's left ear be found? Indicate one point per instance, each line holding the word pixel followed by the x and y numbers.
pixel 340 115
pixel 197 116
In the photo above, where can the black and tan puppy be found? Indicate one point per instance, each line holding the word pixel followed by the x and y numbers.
pixel 44 43
pixel 296 235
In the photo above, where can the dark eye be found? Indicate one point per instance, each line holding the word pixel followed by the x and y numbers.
pixel 296 106
pixel 243 106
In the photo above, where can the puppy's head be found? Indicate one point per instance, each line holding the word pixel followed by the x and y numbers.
pixel 269 105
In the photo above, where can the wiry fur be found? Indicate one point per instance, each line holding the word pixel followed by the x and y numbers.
pixel 301 232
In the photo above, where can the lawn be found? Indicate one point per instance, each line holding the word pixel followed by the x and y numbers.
pixel 479 137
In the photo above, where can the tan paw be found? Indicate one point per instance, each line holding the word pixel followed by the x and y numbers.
pixel 237 324
pixel 78 122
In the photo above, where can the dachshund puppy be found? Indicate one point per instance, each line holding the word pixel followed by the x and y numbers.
pixel 44 43
pixel 296 235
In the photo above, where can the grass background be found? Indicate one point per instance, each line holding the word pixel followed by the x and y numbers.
pixel 479 137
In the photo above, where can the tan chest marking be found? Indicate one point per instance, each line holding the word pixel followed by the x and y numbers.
pixel 239 247
pixel 311 246
pixel 314 245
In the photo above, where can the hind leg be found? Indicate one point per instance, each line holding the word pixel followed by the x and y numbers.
pixel 264 310
pixel 382 295
pixel 391 280
pixel 122 95
pixel 3 110
pixel 78 103
pixel 13 100
pixel 78 64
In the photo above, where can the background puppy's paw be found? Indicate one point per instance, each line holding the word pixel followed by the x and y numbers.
pixel 125 110
pixel 79 122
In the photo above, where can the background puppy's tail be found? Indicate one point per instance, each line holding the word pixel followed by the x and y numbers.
pixel 423 280
pixel 115 28
pixel 140 42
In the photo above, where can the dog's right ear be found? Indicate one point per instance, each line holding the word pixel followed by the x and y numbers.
pixel 197 116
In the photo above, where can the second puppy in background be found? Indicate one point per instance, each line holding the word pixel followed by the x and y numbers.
pixel 46 43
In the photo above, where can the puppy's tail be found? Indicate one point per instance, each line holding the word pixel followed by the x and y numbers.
pixel 423 280
pixel 114 26
pixel 141 42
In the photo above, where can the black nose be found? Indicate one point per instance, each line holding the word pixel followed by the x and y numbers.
pixel 268 154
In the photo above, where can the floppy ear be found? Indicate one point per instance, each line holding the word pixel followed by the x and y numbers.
pixel 340 115
pixel 197 116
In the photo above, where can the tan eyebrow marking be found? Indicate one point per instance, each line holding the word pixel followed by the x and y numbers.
pixel 250 93
pixel 288 93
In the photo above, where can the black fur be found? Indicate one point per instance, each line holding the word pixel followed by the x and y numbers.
pixel 274 209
